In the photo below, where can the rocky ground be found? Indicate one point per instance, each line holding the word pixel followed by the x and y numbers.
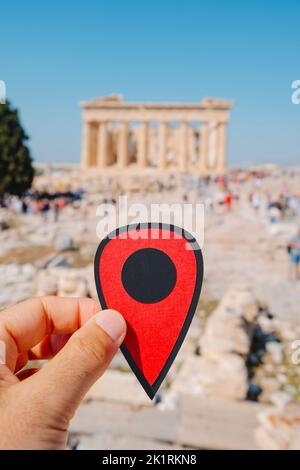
pixel 244 247
pixel 234 383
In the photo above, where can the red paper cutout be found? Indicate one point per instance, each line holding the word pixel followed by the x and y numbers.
pixel 153 328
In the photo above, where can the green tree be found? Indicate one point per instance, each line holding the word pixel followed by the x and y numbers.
pixel 16 170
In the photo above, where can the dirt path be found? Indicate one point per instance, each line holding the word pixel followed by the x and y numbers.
pixel 240 248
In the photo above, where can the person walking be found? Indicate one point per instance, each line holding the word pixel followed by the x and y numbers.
pixel 294 255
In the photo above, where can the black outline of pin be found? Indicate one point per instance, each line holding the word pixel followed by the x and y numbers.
pixel 151 389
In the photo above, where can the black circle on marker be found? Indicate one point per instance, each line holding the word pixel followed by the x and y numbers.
pixel 148 275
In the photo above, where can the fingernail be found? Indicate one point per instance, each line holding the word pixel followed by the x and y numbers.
pixel 112 323
pixel 2 352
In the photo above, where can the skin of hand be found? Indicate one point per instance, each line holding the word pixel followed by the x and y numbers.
pixel 36 406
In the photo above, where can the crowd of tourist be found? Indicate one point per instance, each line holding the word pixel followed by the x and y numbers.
pixel 41 202
pixel 284 206
pixel 220 193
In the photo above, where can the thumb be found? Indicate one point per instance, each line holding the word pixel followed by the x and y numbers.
pixel 68 376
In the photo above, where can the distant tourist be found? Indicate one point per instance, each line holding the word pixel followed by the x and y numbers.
pixel 293 204
pixel 294 255
pixel 282 200
pixel 24 206
pixel 56 209
pixel 273 214
pixel 44 207
pixel 228 201
pixel 256 202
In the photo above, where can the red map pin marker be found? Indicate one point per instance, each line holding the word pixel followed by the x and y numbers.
pixel 152 274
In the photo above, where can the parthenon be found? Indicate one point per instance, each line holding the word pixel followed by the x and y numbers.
pixel 179 136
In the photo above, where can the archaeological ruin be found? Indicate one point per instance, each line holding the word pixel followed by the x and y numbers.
pixel 174 136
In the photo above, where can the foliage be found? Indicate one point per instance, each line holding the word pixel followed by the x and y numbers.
pixel 16 170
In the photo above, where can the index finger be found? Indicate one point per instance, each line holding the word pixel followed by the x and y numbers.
pixel 27 323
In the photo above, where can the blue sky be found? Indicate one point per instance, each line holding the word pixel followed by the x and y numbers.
pixel 54 54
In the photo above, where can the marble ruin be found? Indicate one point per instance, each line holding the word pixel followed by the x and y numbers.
pixel 175 136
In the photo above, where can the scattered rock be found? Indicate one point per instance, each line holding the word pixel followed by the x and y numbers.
pixel 10 272
pixel 4 225
pixel 63 242
pixel 169 400
pixel 213 378
pixel 72 283
pixel 5 220
pixel 13 275
pixel 119 387
pixel 58 261
pixel 275 349
pixel 270 384
pixel 240 300
pixel 10 295
pixel 229 328
pixel 28 272
pixel 280 399
pixel 266 324
pixel 287 330
pixel 281 379
pixel 46 283
pixel 279 429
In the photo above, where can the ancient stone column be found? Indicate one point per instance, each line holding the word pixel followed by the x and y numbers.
pixel 203 148
pixel 123 154
pixel 183 146
pixel 191 142
pixel 221 148
pixel 212 145
pixel 102 145
pixel 142 145
pixel 162 142
pixel 152 147
pixel 86 145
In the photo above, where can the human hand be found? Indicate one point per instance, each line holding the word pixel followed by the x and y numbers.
pixel 36 405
